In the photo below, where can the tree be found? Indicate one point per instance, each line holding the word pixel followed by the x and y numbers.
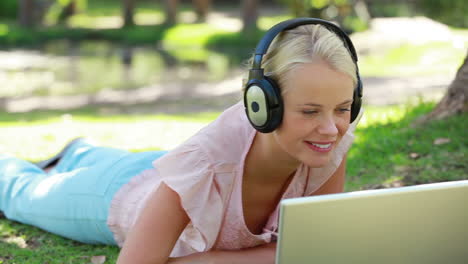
pixel 9 9
pixel 68 10
pixel 57 11
pixel 171 11
pixel 202 7
pixel 249 15
pixel 128 9
pixel 455 100
pixel 26 13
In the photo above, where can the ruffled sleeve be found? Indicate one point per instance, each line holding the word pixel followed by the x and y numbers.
pixel 189 172
pixel 318 176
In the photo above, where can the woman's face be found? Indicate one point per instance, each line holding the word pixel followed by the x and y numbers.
pixel 317 105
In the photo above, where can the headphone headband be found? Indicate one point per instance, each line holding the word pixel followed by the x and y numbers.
pixel 264 44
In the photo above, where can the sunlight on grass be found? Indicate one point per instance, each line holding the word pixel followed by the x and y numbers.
pixel 29 245
pixel 411 60
pixel 4 29
pixel 42 138
pixel 100 22
pixel 87 20
pixel 381 115
pixel 265 23
pixel 189 54
pixel 40 141
pixel 193 35
pixel 153 18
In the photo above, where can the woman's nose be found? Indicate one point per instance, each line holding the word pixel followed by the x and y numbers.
pixel 328 127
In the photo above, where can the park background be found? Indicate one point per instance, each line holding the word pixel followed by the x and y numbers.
pixel 146 75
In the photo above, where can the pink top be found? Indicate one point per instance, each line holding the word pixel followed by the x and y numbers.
pixel 206 171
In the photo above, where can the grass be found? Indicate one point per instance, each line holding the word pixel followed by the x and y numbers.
pixel 438 57
pixel 389 152
pixel 381 157
pixel 21 244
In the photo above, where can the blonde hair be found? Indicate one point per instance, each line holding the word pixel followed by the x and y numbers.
pixel 304 44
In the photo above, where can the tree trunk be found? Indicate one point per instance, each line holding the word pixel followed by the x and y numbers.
pixel 26 8
pixel 67 11
pixel 202 7
pixel 300 8
pixel 455 100
pixel 249 15
pixel 171 11
pixel 128 9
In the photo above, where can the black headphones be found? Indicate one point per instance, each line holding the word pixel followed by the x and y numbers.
pixel 262 97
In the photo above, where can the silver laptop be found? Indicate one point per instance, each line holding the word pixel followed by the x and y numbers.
pixel 408 225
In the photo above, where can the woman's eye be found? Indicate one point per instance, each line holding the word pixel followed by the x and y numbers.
pixel 343 110
pixel 309 112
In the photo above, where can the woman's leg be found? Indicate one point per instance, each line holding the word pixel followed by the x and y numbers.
pixel 73 199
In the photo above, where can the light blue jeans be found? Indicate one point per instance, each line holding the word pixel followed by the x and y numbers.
pixel 73 199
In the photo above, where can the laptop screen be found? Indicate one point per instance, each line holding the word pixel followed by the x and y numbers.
pixel 416 224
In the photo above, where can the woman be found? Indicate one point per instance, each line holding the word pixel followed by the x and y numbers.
pixel 213 199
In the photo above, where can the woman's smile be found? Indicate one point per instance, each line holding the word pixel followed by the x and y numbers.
pixel 320 146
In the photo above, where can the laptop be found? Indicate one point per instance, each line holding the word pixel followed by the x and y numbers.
pixel 407 225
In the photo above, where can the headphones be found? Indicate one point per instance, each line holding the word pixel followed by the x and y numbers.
pixel 262 97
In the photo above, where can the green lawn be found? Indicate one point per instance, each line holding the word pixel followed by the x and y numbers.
pixel 438 57
pixel 21 244
pixel 387 152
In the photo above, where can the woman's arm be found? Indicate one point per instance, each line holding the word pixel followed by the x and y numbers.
pixel 161 222
pixel 152 238
pixel 264 254
pixel 335 184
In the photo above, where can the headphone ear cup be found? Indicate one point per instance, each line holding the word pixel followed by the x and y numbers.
pixel 263 104
pixel 256 105
pixel 276 105
pixel 357 101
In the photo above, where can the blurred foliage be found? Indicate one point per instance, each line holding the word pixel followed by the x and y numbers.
pixel 8 8
pixel 390 9
pixel 451 12
pixel 13 35
pixel 60 10
pixel 341 11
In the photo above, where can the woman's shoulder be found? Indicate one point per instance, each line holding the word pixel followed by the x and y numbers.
pixel 227 137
